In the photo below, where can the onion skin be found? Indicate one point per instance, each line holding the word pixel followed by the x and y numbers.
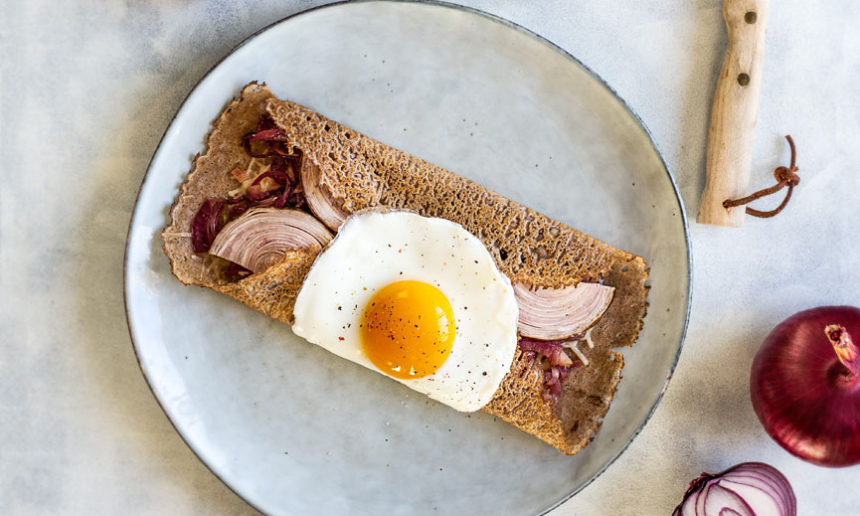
pixel 806 398
pixel 749 488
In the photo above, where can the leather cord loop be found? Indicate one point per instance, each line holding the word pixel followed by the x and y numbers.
pixel 785 176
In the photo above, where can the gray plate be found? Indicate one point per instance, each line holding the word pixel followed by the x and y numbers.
pixel 295 430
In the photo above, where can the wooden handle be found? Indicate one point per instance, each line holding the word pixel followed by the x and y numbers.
pixel 733 113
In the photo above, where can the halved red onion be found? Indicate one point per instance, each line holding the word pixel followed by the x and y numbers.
pixel 259 238
pixel 319 199
pixel 558 313
pixel 748 489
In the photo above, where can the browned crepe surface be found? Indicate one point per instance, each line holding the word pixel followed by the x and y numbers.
pixel 527 246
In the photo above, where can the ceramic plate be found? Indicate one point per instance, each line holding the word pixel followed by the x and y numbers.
pixel 294 430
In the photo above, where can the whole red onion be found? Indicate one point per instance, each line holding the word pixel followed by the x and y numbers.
pixel 805 385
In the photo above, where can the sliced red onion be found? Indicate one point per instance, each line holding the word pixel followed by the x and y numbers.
pixel 269 182
pixel 205 225
pixel 319 199
pixel 553 350
pixel 235 272
pixel 550 358
pixel 265 135
pixel 748 489
pixel 558 313
pixel 259 238
pixel 268 133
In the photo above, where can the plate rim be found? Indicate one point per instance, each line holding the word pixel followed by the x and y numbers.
pixel 511 25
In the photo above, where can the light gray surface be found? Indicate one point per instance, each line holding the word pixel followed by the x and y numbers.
pixel 87 90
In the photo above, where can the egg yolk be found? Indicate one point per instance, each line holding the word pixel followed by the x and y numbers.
pixel 407 329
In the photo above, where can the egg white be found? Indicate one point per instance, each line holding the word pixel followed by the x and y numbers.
pixel 374 249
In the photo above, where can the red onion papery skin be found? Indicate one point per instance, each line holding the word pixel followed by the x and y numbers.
pixel 807 400
pixel 722 494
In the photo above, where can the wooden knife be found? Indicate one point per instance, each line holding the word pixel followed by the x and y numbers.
pixel 733 112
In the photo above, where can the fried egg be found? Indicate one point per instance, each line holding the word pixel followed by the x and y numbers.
pixel 417 299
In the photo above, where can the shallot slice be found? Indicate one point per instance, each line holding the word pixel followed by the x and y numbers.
pixel 558 313
pixel 319 199
pixel 259 238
